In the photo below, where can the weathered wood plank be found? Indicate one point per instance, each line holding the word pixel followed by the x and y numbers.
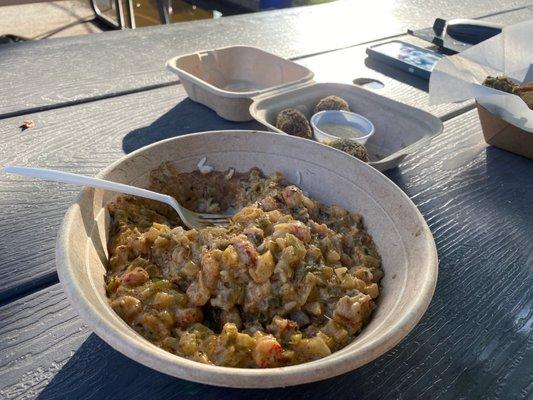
pixel 474 342
pixel 55 72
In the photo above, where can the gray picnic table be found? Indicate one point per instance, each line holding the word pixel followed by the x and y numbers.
pixel 95 98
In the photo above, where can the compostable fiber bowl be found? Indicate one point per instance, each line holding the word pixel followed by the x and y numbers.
pixel 330 176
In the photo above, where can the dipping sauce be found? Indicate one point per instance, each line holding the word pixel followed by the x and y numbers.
pixel 341 131
pixel 330 124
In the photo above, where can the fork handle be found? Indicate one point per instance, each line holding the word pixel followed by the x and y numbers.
pixel 67 177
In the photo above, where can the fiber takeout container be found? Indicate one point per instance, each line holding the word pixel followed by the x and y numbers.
pixel 243 83
pixel 506 119
pixel 402 237
pixel 399 128
pixel 227 79
pixel 502 134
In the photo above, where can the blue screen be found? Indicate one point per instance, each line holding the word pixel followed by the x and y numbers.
pixel 421 58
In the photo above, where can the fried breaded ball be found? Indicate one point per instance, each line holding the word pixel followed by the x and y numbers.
pixel 350 147
pixel 332 103
pixel 293 122
pixel 507 85
pixel 500 83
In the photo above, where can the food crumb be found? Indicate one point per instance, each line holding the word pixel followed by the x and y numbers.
pixel 27 124
pixel 230 174
pixel 204 169
pixel 298 177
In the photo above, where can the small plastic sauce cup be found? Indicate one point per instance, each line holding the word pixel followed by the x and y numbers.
pixel 331 125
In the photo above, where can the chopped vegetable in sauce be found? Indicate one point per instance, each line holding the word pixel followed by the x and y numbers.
pixel 288 281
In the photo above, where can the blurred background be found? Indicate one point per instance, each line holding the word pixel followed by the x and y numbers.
pixel 39 19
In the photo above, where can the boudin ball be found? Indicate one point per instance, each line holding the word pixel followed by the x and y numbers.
pixel 500 82
pixel 332 103
pixel 350 147
pixel 293 122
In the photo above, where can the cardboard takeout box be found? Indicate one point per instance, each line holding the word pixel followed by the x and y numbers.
pixel 506 120
pixel 501 134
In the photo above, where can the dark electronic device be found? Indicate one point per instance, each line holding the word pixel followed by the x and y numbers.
pixel 471 31
pixel 407 57
pixel 457 34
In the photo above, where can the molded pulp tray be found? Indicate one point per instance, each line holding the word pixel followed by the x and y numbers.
pixel 400 128
pixel 402 237
pixel 241 83
pixel 227 79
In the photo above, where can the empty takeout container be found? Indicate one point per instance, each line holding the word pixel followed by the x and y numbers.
pixel 242 83
pixel 227 79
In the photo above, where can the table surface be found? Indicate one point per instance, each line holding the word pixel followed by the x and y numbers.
pixel 96 98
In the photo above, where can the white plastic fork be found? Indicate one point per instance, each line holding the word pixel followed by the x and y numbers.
pixel 190 218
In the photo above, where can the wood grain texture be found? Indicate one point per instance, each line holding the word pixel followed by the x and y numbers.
pixel 475 341
pixel 58 72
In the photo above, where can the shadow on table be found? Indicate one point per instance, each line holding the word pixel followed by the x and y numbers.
pixel 97 371
pixel 186 117
pixel 397 74
pixel 395 175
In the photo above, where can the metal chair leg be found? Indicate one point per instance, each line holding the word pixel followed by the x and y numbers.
pixel 162 7
pixel 131 13
pixel 120 13
pixel 106 20
pixel 119 9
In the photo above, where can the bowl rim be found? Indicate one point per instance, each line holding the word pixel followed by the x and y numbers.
pixel 139 349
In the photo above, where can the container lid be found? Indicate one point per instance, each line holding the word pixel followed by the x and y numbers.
pixel 239 71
